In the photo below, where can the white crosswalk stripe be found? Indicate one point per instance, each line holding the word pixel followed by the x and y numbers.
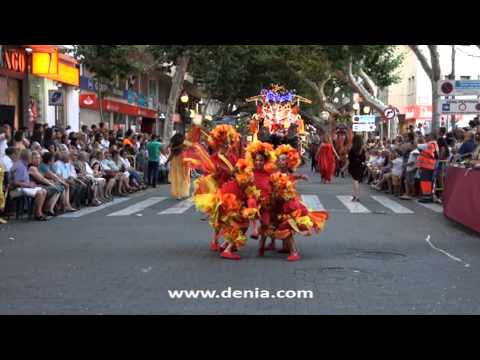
pixel 312 202
pixel 353 207
pixel 434 207
pixel 136 208
pixel 392 205
pixel 91 210
pixel 179 208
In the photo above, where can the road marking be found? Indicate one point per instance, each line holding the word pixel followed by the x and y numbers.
pixel 312 202
pixel 434 207
pixel 445 253
pixel 392 205
pixel 90 210
pixel 353 207
pixel 179 208
pixel 135 208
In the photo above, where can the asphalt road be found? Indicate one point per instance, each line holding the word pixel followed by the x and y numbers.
pixel 384 260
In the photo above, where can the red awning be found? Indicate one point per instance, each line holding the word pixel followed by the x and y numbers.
pixel 90 101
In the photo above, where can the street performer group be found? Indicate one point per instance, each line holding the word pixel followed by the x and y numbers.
pixel 251 187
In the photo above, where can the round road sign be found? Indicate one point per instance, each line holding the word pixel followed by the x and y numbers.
pixel 389 113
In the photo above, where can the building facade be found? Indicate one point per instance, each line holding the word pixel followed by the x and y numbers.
pixel 413 94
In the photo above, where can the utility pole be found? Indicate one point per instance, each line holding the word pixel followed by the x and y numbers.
pixel 452 77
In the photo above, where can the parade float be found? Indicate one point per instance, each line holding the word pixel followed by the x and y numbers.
pixel 278 114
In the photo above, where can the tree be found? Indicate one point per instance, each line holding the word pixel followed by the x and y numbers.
pixel 434 73
pixel 106 62
pixel 329 69
pixel 179 57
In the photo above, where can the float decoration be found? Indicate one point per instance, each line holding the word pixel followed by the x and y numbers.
pixel 277 109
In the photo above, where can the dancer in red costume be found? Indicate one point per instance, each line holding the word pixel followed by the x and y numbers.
pixel 293 216
pixel 326 159
pixel 261 158
pixel 288 161
pixel 225 140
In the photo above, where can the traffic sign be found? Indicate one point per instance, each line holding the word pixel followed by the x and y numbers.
pixel 55 98
pixel 364 127
pixel 363 119
pixel 459 87
pixel 460 106
pixel 389 113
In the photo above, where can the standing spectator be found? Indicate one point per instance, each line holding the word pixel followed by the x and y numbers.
pixel 21 181
pixel 356 165
pixel 153 148
pixel 49 141
pixel 5 134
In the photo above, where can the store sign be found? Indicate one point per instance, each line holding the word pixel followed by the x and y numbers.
pixel 87 83
pixel 45 63
pixel 14 60
pixel 67 74
pixel 90 101
pixel 460 106
pixel 418 112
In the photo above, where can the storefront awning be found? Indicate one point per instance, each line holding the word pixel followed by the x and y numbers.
pixel 90 101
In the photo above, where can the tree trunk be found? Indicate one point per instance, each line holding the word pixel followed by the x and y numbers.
pixel 436 114
pixel 175 92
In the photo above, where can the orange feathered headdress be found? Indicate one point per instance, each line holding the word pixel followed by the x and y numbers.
pixel 266 149
pixel 223 133
pixel 283 186
pixel 293 157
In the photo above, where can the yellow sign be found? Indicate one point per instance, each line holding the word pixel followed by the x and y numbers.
pixel 67 74
pixel 45 63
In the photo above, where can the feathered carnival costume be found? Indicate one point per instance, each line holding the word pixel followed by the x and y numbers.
pixel 292 216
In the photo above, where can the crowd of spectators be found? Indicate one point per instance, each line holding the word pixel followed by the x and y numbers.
pixel 62 170
pixel 392 164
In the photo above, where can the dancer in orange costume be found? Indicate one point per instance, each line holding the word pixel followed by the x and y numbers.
pixel 293 216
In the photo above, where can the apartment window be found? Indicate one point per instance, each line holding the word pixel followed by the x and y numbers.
pixel 464 77
pixel 153 90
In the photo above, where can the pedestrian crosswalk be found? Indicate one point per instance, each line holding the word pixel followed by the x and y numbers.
pixel 163 206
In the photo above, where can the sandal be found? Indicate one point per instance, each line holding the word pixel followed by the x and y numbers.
pixel 41 218
pixel 294 257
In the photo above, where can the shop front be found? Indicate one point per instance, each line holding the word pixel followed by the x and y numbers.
pixel 124 115
pixel 13 86
pixel 420 117
pixel 54 73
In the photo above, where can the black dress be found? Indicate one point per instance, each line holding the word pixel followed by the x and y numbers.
pixel 356 164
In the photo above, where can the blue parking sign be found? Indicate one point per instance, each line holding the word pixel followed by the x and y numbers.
pixel 445 107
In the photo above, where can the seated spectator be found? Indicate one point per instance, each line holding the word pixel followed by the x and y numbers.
pixel 468 147
pixel 109 165
pixel 84 183
pixel 46 169
pixel 397 172
pixel 411 173
pixel 95 185
pixel 125 182
pixel 135 176
pixel 22 185
pixel 61 167
pixel 11 155
pixel 54 191
pixel 19 141
pixel 386 173
pixel 110 176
